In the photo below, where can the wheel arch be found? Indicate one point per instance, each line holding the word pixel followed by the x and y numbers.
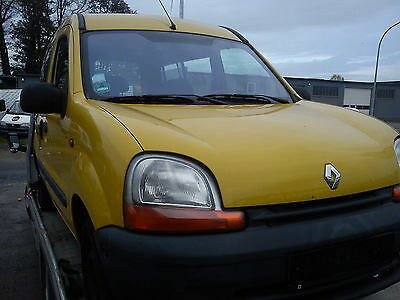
pixel 80 215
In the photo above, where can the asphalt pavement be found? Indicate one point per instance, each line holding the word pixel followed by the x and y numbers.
pixel 19 269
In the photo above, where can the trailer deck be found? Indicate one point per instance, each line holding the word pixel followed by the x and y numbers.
pixel 60 258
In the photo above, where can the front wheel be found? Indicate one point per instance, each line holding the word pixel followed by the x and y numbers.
pixel 93 275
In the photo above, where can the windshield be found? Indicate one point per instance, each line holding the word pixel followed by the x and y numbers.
pixel 142 63
pixel 16 109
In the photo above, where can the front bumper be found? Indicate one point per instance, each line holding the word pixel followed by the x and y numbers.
pixel 252 263
pixel 23 131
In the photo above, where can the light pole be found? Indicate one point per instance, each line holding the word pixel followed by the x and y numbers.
pixel 181 9
pixel 373 94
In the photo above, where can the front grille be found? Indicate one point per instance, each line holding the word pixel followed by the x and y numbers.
pixel 13 126
pixel 291 212
pixel 339 261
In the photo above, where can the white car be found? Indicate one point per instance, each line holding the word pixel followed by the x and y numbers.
pixel 15 120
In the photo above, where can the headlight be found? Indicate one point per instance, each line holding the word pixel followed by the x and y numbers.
pixel 397 149
pixel 25 125
pixel 2 123
pixel 171 194
pixel 168 181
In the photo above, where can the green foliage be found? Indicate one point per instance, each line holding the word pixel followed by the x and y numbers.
pixel 109 6
pixel 7 11
pixel 337 77
pixel 38 20
pixel 31 34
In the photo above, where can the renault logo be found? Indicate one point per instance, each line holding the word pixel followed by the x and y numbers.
pixel 332 176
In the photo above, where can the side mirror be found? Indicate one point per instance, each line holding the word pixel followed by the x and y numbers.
pixel 14 143
pixel 2 105
pixel 303 93
pixel 42 98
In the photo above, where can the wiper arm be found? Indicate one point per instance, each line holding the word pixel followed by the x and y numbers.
pixel 151 99
pixel 193 99
pixel 277 99
pixel 262 98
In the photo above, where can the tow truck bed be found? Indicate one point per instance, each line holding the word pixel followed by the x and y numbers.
pixel 60 259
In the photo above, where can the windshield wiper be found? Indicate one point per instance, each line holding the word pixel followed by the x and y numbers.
pixel 149 99
pixel 164 99
pixel 261 98
pixel 225 99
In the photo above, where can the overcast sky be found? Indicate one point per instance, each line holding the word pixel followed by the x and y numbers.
pixel 308 38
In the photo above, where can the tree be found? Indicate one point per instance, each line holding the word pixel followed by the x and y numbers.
pixel 31 34
pixel 109 6
pixel 38 20
pixel 60 9
pixel 7 11
pixel 337 77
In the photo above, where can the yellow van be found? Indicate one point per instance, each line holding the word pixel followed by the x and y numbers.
pixel 187 167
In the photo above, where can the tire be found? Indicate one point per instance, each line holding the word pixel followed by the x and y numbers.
pixel 93 275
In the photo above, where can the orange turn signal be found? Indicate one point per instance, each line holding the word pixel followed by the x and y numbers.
pixel 177 219
pixel 396 193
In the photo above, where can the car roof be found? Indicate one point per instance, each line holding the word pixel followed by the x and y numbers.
pixel 157 23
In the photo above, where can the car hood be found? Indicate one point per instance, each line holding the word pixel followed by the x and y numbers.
pixel 16 119
pixel 270 154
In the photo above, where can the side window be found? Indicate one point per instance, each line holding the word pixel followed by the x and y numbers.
pixel 60 73
pixel 44 72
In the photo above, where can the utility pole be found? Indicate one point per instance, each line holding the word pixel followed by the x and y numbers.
pixel 373 94
pixel 181 9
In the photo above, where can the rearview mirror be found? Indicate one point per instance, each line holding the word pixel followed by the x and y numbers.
pixel 2 105
pixel 42 98
pixel 14 143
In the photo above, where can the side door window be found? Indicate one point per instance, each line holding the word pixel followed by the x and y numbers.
pixel 44 72
pixel 60 71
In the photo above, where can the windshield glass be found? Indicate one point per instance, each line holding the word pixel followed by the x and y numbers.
pixel 137 63
pixel 16 109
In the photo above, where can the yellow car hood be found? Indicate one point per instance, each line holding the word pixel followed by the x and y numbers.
pixel 269 154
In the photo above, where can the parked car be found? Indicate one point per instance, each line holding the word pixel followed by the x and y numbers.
pixel 15 120
pixel 186 166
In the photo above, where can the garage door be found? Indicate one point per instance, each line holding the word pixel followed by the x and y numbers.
pixel 357 98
